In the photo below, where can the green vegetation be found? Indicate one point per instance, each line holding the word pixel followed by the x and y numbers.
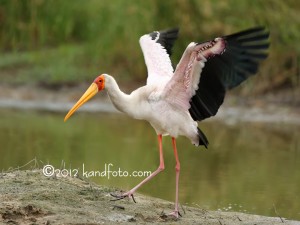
pixel 63 42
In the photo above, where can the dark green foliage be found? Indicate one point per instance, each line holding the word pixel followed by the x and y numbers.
pixel 101 36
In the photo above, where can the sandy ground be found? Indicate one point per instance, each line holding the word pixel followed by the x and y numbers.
pixel 29 197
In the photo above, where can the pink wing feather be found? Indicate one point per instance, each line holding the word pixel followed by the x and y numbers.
pixel 184 83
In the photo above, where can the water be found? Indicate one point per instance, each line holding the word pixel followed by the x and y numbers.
pixel 249 167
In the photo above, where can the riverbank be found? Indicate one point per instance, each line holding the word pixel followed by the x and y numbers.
pixel 282 107
pixel 28 197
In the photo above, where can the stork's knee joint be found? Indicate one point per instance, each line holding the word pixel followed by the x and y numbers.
pixel 161 167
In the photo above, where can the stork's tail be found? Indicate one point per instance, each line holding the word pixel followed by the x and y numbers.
pixel 202 138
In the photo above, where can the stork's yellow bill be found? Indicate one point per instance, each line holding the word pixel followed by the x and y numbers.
pixel 95 87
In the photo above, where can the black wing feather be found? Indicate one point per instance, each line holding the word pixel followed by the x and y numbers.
pixel 243 52
pixel 166 38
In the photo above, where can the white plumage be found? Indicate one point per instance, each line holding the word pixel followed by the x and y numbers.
pixel 173 101
pixel 157 60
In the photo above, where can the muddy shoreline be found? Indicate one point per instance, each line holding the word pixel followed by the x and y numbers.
pixel 28 197
pixel 269 109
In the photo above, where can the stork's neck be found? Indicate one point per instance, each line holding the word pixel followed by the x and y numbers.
pixel 120 100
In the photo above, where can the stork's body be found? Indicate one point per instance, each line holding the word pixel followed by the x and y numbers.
pixel 173 101
pixel 147 103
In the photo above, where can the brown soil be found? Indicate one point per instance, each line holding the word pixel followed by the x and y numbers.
pixel 28 197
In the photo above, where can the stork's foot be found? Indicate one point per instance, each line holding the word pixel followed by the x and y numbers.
pixel 171 216
pixel 175 213
pixel 122 196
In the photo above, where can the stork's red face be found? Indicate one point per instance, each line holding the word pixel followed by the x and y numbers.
pixel 100 81
pixel 96 86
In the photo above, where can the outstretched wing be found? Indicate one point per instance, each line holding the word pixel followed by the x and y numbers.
pixel 242 54
pixel 156 48
pixel 207 70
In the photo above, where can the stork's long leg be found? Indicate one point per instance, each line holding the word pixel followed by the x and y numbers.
pixel 159 169
pixel 177 169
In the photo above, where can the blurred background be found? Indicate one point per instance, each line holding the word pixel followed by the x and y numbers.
pixel 51 50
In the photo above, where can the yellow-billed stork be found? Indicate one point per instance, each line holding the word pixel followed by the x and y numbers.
pixel 173 101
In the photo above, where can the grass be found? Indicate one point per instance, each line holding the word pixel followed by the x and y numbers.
pixel 44 66
pixel 62 42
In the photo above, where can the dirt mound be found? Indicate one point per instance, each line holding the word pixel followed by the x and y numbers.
pixel 28 197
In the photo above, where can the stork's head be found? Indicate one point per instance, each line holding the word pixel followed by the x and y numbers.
pixel 96 86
